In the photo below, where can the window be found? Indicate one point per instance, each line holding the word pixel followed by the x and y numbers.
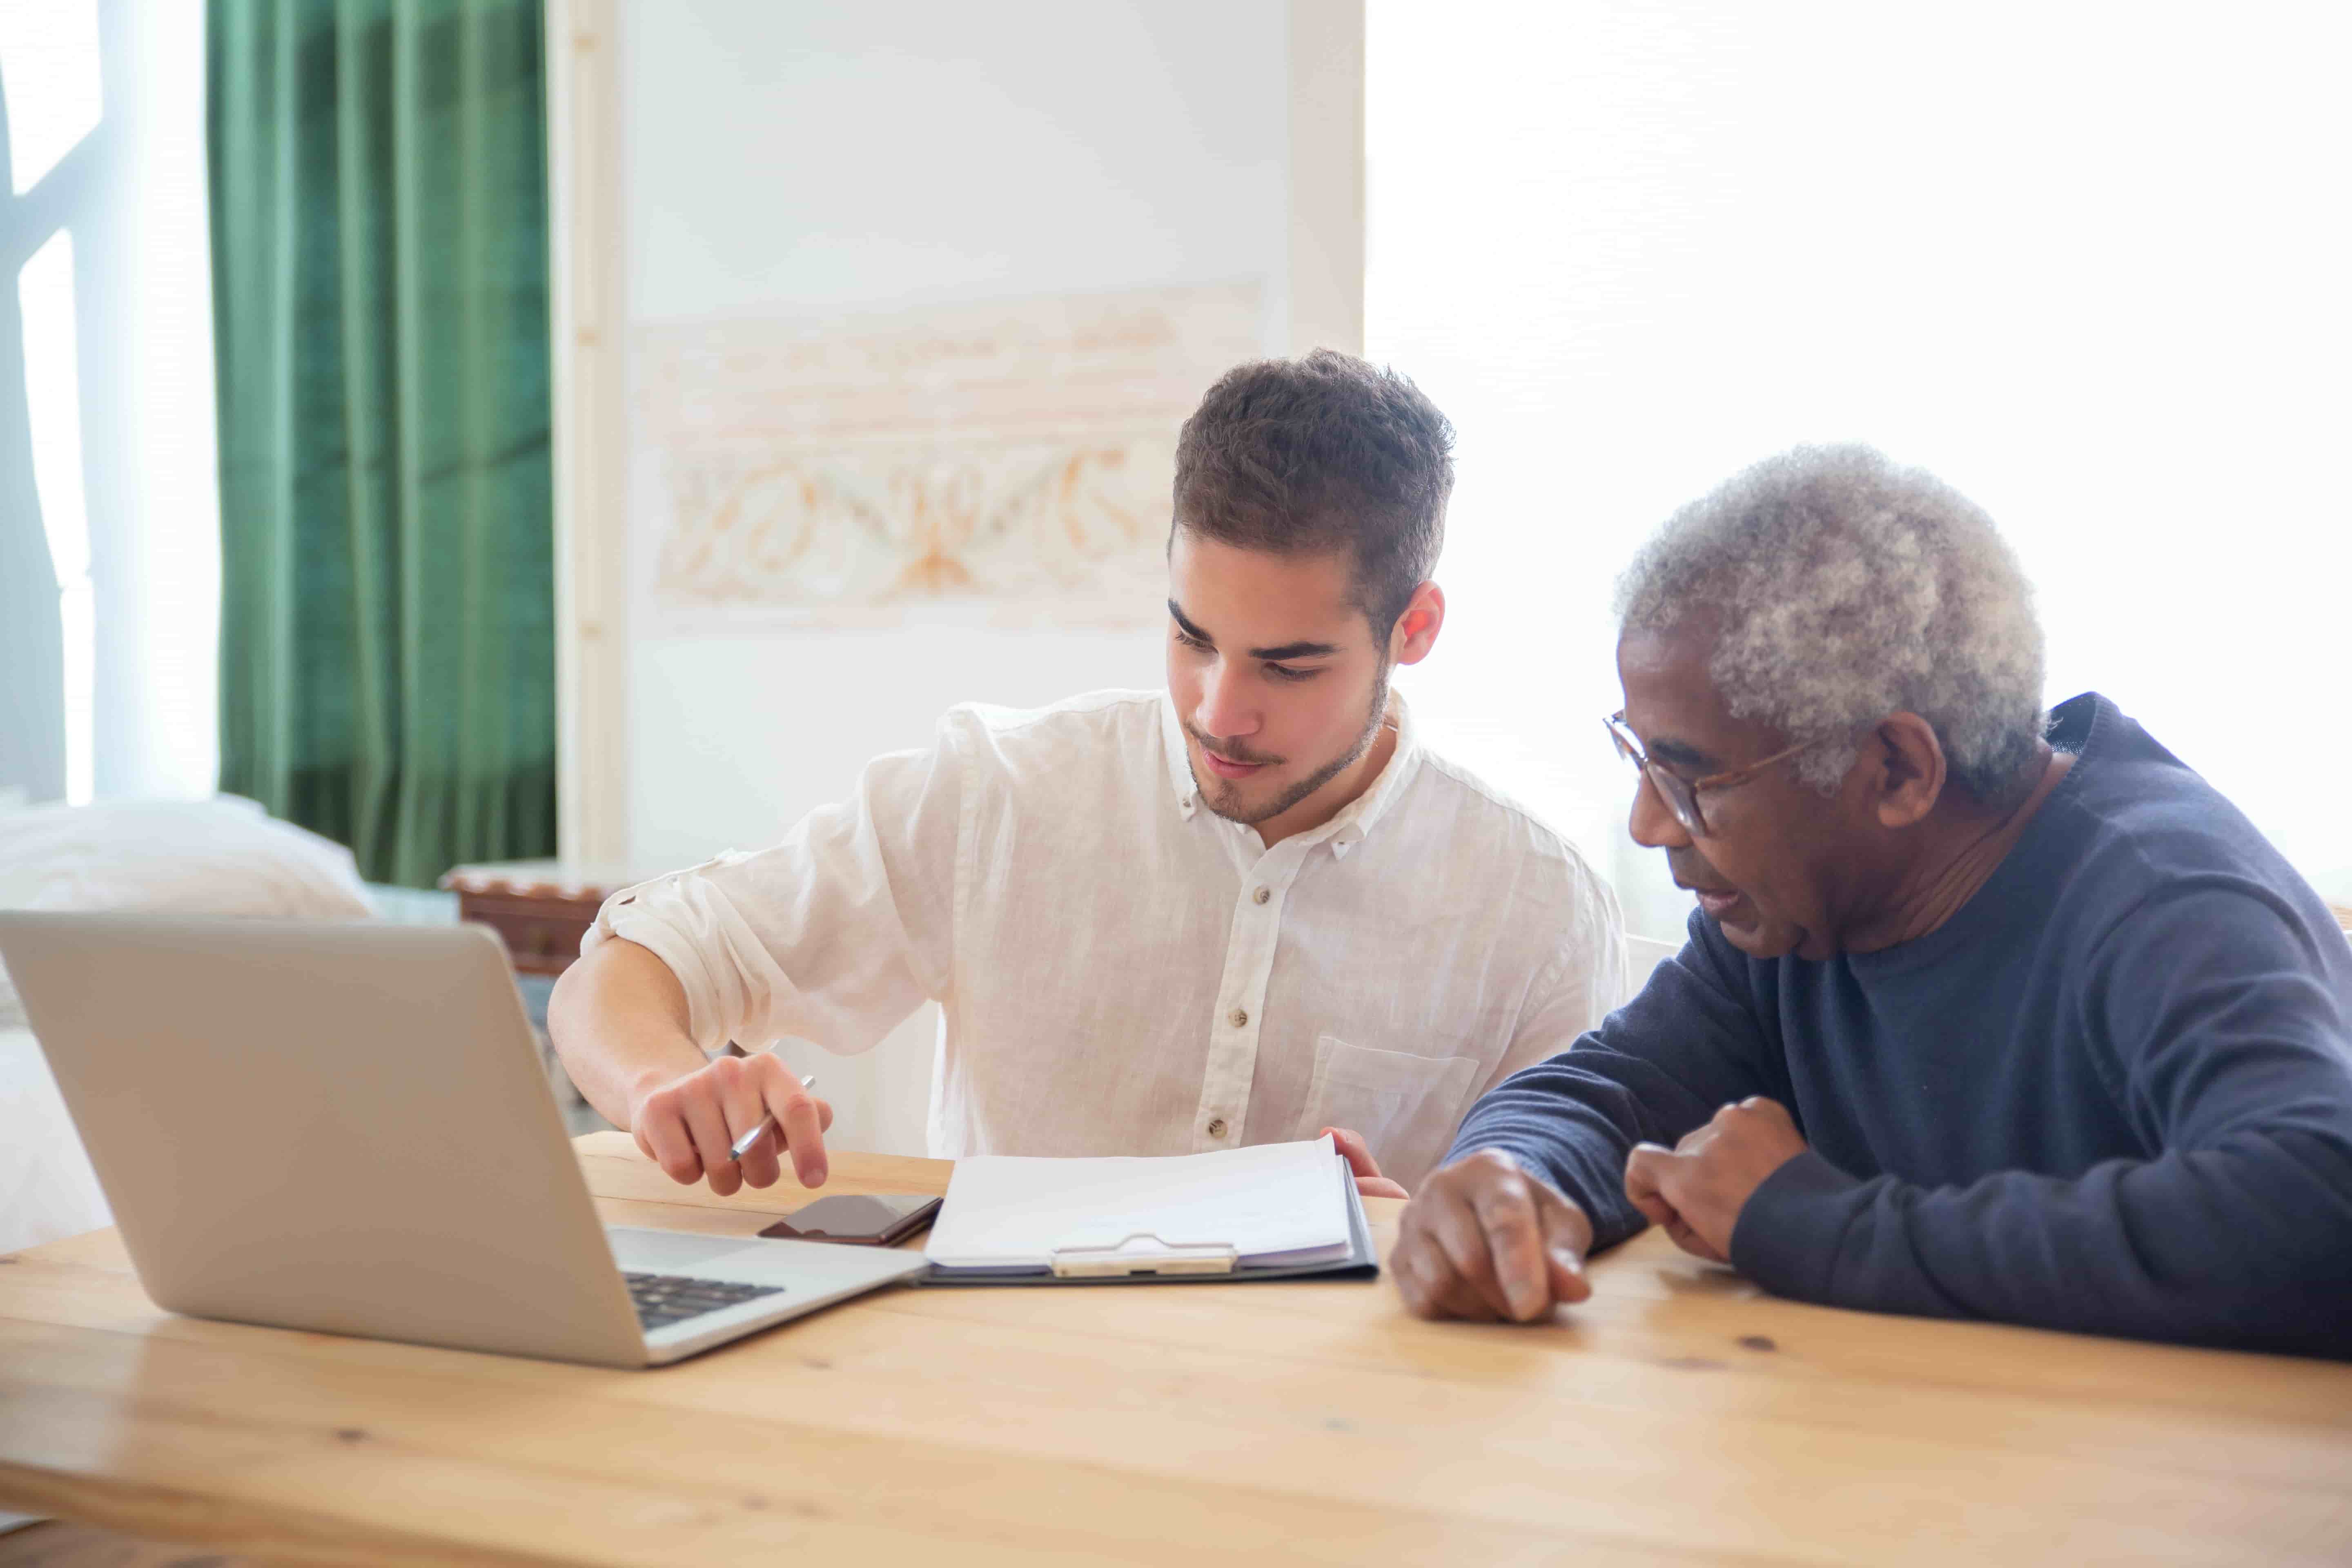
pixel 104 223
pixel 45 292
pixel 2085 262
pixel 48 72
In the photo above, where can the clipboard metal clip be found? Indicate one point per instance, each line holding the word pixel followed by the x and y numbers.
pixel 1143 1253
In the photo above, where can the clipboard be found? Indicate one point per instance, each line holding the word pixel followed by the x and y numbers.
pixel 1144 1259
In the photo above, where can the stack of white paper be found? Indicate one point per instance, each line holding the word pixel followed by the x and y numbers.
pixel 1274 1205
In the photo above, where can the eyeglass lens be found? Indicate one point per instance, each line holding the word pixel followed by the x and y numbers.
pixel 1675 791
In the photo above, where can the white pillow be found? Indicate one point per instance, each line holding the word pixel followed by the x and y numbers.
pixel 225 855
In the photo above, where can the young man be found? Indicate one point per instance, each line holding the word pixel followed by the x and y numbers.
pixel 1248 909
pixel 1984 1013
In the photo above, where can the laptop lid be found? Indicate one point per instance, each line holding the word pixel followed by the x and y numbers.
pixel 333 1127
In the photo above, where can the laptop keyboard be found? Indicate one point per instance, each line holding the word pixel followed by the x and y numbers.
pixel 662 1300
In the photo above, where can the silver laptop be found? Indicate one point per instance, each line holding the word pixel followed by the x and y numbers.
pixel 345 1128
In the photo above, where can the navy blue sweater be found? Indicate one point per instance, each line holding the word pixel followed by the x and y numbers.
pixel 2113 1093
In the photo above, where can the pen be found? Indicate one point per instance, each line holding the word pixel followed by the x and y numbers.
pixel 766 1123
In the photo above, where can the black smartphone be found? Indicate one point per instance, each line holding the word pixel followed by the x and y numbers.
pixel 858 1221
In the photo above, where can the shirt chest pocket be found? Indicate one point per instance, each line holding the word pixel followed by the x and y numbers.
pixel 1406 1107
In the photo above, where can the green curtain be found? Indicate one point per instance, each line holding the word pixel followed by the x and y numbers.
pixel 380 306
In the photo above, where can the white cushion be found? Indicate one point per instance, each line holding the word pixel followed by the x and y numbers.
pixel 218 857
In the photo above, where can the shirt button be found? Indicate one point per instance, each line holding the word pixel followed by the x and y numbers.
pixel 1261 895
pixel 1237 1018
pixel 1217 1127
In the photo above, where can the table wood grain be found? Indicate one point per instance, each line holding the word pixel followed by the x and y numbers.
pixel 1680 1416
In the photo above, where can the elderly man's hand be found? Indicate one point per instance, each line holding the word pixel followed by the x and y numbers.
pixel 1484 1240
pixel 1696 1189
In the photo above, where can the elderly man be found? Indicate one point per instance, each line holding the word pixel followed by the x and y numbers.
pixel 1984 1013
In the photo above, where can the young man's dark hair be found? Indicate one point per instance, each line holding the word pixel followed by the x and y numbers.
pixel 1318 455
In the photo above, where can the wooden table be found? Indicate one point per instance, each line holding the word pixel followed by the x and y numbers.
pixel 1679 1417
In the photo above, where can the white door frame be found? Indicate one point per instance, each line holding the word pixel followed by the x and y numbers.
pixel 1327 176
pixel 586 257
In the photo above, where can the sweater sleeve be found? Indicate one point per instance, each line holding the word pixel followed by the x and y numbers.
pixel 2219 1013
pixel 1656 1068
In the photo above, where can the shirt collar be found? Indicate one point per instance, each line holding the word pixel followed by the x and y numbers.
pixel 1347 829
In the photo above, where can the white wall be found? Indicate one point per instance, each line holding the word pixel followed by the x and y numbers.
pixel 811 159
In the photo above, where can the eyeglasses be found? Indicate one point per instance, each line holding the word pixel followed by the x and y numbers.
pixel 1681 794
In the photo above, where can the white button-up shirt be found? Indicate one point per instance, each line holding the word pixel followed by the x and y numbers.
pixel 1122 970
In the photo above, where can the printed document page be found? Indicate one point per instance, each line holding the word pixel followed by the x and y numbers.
pixel 1275 1204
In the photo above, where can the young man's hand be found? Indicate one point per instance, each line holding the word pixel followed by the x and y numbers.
pixel 1696 1189
pixel 688 1124
pixel 1359 1155
pixel 1486 1241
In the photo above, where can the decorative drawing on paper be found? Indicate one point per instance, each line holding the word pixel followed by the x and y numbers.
pixel 1012 459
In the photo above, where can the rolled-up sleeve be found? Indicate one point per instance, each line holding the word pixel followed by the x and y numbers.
pixel 834 936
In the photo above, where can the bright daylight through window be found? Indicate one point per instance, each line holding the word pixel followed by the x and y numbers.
pixel 49 71
pixel 2090 267
pixel 45 292
pixel 104 225
pixel 50 77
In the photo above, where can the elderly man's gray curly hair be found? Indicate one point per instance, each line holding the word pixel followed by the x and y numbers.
pixel 1844 588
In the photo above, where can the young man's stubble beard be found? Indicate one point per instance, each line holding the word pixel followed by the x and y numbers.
pixel 1222 796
